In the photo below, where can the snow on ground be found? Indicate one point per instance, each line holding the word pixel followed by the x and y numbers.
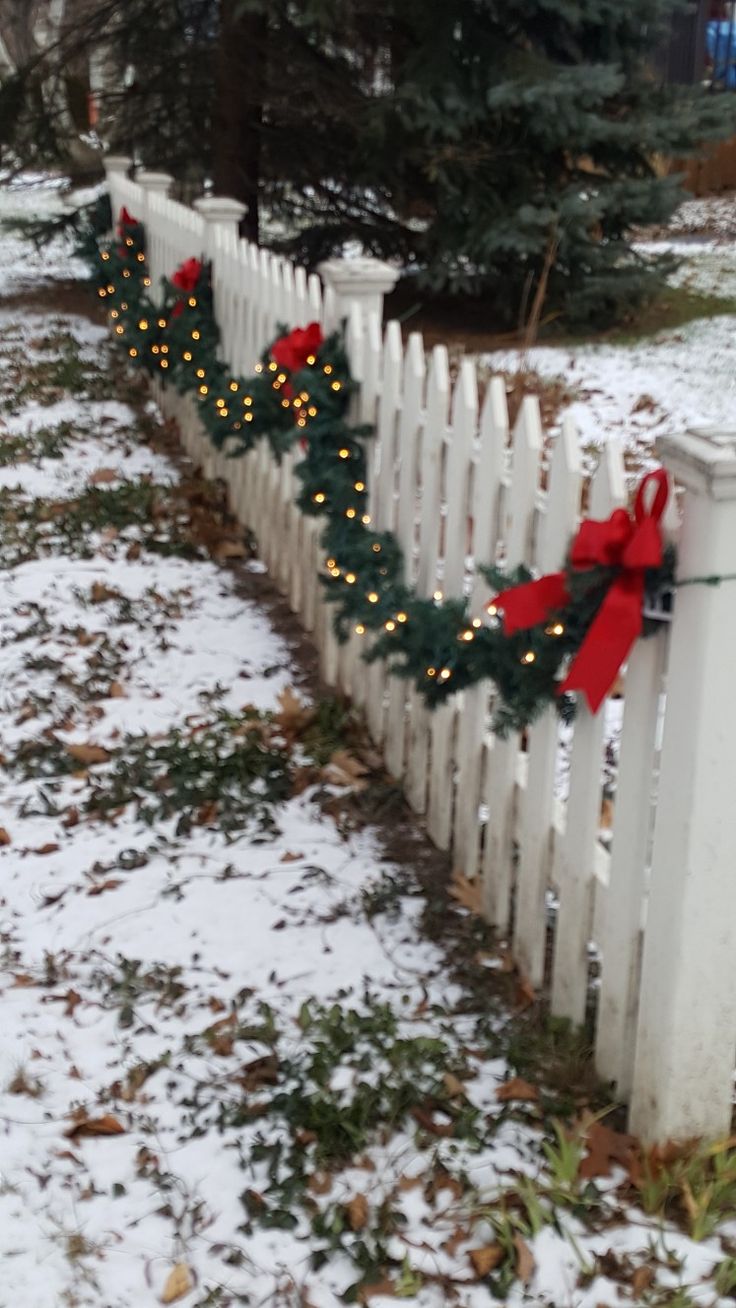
pixel 201 1021
pixel 665 383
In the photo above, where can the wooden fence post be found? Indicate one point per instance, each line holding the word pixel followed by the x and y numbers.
pixel 363 281
pixel 683 1073
pixel 116 166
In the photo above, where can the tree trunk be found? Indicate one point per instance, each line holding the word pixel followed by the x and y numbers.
pixel 238 118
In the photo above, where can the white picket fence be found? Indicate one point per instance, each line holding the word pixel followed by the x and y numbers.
pixel 643 928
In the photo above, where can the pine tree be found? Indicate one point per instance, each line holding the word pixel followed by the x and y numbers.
pixel 499 149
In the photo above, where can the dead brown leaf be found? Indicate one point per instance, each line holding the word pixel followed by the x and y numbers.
pixel 525 1263
pixel 229 549
pixel 517 1088
pixel 642 1280
pixel 116 690
pixel 288 857
pixel 605 1148
pixel 178 1283
pixel 100 887
pixel 103 476
pixel 426 1119
pixel 87 754
pixel 99 592
pixel 453 1086
pixel 486 1259
pixel 344 769
pixel 357 1212
pixel 384 1287
pixel 319 1183
pixel 94 1126
pixel 293 716
pixel 50 848
pixel 468 894
pixel 5 837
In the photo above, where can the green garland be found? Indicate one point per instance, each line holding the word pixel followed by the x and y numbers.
pixel 435 642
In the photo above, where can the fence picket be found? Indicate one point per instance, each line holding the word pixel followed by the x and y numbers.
pixel 473 710
pixel 443 721
pixel 574 857
pixel 501 763
pixel 409 423
pixel 537 800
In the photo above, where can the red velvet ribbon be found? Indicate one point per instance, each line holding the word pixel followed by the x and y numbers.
pixel 126 220
pixel 185 279
pixel 630 543
pixel 292 351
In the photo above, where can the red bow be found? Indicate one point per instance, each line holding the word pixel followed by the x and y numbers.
pixel 291 352
pixel 187 275
pixel 126 220
pixel 631 544
pixel 185 279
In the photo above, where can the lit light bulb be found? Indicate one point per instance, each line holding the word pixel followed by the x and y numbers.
pixel 249 417
pixel 390 626
pixel 162 322
pixel 272 367
pixel 529 657
pixel 343 454
pixel 437 596
pixel 192 302
pixel 285 404
pixel 311 359
pixel 445 674
pixel 327 369
pixel 186 356
pixel 195 336
pixel 164 363
pixel 468 635
pixel 350 578
pixel 372 597
pixel 360 629
pixel 233 385
pixel 203 390
pixel 336 385
pixel 146 281
pixel 359 486
pixel 119 329
pixel 259 367
pixel 431 672
pixel 102 292
pixel 350 513
pixel 200 372
pixel 376 547
pixel 477 623
pixel 247 400
pixel 133 353
pixel 491 610
pixel 366 520
pixel 319 498
pixel 143 324
pixel 402 617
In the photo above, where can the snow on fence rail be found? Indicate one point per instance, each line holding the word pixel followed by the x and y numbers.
pixel 645 927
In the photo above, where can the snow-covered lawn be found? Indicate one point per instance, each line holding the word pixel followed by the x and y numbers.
pixel 677 379
pixel 235 1067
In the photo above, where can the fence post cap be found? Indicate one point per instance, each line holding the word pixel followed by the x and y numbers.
pixel 117 163
pixel 702 459
pixel 349 276
pixel 152 181
pixel 220 208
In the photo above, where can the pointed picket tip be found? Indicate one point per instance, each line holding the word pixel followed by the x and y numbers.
pixel 415 362
pixel 465 393
pixel 494 418
pixel 564 491
pixel 528 426
pixel 608 485
pixel 439 371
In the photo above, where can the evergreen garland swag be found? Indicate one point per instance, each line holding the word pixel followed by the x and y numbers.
pixel 301 390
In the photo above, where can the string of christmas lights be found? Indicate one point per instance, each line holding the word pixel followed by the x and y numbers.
pixel 301 391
